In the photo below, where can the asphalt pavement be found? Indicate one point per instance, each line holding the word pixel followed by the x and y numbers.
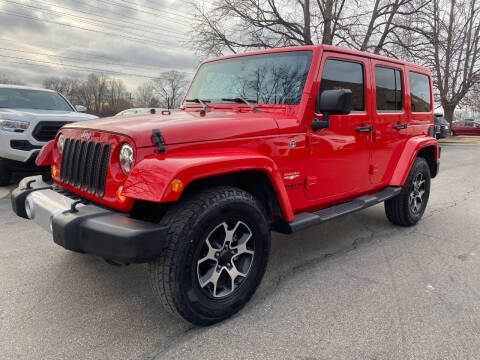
pixel 353 288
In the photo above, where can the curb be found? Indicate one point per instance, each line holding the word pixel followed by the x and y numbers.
pixel 460 140
pixel 4 192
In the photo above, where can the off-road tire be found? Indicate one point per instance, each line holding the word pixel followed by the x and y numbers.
pixel 398 209
pixel 5 175
pixel 174 276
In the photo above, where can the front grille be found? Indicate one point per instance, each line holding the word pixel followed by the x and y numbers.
pixel 84 165
pixel 47 130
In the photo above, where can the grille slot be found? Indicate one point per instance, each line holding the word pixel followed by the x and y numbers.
pixel 84 165
pixel 47 130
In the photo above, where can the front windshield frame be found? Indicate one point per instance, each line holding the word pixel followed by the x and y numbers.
pixel 193 95
pixel 23 102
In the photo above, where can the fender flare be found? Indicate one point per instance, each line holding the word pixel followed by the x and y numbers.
pixel 44 157
pixel 150 179
pixel 409 154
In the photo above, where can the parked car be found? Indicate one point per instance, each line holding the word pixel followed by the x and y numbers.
pixel 29 118
pixel 141 111
pixel 195 194
pixel 442 127
pixel 466 127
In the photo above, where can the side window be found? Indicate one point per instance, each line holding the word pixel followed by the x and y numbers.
pixel 341 74
pixel 388 84
pixel 419 92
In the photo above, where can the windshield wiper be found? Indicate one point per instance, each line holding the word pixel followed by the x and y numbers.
pixel 200 101
pixel 240 100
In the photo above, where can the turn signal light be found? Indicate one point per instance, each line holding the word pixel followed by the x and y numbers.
pixel 120 197
pixel 176 185
pixel 53 171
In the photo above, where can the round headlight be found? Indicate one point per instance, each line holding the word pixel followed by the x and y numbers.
pixel 60 143
pixel 126 158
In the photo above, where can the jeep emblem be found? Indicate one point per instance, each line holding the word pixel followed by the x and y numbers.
pixel 86 136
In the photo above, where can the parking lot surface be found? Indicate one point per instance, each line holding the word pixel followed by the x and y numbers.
pixel 353 288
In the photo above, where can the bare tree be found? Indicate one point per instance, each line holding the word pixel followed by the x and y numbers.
pixel 239 25
pixel 145 95
pixel 68 87
pixel 116 95
pixel 447 35
pixel 101 95
pixel 4 79
pixel 171 86
pixel 94 92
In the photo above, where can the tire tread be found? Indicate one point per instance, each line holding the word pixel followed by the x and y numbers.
pixel 177 219
pixel 396 208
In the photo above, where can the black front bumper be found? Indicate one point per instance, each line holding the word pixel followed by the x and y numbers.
pixel 96 230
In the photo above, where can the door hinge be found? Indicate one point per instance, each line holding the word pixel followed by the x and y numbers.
pixel 310 181
pixel 372 169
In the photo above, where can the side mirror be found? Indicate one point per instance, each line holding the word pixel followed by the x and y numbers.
pixel 332 102
pixel 335 101
pixel 80 108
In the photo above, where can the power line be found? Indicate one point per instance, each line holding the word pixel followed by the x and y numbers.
pixel 135 26
pixel 91 22
pixel 137 64
pixel 75 59
pixel 131 38
pixel 148 25
pixel 140 10
pixel 112 72
pixel 165 9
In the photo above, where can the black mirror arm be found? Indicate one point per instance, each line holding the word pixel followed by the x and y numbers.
pixel 321 124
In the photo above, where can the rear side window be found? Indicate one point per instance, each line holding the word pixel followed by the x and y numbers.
pixel 419 92
pixel 388 84
pixel 340 74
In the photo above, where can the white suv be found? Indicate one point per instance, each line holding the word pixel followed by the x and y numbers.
pixel 29 118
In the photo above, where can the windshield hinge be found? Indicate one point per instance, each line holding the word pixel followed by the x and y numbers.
pixel 157 139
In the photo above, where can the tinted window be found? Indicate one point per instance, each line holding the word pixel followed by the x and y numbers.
pixel 419 92
pixel 32 99
pixel 266 79
pixel 389 89
pixel 340 74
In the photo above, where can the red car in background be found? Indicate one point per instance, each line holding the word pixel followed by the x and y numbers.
pixel 466 127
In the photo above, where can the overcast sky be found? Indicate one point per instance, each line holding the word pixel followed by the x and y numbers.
pixel 132 40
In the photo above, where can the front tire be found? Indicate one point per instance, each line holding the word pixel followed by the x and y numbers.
pixel 5 175
pixel 216 255
pixel 408 207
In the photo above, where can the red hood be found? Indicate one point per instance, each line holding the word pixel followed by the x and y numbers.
pixel 185 127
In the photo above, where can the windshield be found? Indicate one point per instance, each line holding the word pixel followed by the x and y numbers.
pixel 265 79
pixel 32 99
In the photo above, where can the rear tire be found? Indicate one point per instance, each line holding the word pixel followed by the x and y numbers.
pixel 5 175
pixel 217 251
pixel 408 207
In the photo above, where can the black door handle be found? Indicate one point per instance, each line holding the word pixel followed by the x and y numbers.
pixel 365 128
pixel 400 126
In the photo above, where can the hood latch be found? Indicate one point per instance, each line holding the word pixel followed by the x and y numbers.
pixel 157 139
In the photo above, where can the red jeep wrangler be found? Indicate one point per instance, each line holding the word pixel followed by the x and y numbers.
pixel 271 140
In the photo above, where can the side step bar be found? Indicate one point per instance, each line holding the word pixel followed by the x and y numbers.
pixel 304 220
